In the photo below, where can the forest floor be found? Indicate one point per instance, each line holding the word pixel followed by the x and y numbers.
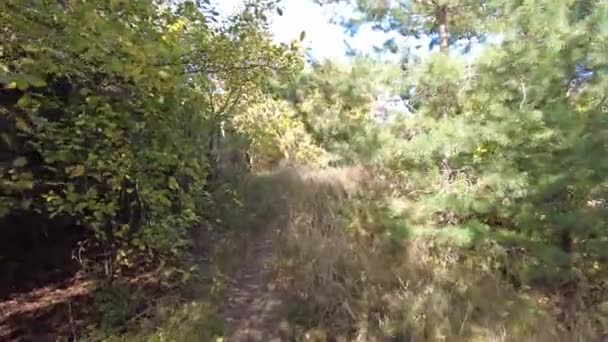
pixel 287 271
pixel 259 299
pixel 255 308
pixel 62 310
pixel 43 314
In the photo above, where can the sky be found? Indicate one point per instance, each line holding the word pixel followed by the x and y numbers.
pixel 323 38
pixel 327 40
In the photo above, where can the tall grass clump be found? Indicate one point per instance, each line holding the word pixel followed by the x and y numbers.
pixel 356 272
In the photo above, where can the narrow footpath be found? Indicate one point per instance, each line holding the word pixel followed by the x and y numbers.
pixel 254 310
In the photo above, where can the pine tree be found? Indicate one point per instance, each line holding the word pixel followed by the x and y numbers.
pixel 448 20
pixel 539 96
pixel 524 128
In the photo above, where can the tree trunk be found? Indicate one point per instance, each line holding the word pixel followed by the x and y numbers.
pixel 441 17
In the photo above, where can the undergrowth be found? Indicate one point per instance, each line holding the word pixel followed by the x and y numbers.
pixel 357 265
pixel 361 271
pixel 191 309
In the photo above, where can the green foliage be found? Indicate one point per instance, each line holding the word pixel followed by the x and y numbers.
pixel 108 108
pixel 523 140
pixel 114 116
pixel 361 272
pixel 275 133
pixel 337 103
pixel 193 321
pixel 115 305
pixel 501 158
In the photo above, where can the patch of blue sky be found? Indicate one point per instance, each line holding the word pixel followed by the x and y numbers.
pixel 325 39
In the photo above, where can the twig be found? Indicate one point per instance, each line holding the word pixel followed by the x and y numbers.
pixel 523 100
pixel 404 286
pixel 466 316
pixel 72 325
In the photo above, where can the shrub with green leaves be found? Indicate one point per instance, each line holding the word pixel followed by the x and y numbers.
pixel 108 109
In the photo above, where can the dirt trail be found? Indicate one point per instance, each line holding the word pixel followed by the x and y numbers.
pixel 254 309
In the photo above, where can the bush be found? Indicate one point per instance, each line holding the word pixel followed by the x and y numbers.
pixel 104 121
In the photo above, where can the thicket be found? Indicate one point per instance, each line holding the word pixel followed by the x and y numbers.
pixel 510 142
pixel 111 112
pixel 496 164
pixel 118 122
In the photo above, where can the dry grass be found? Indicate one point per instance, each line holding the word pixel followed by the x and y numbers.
pixel 354 279
pixel 354 271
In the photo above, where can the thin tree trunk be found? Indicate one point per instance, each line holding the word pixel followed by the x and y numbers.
pixel 441 17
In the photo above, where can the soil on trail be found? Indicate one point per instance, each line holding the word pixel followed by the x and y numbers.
pixel 254 309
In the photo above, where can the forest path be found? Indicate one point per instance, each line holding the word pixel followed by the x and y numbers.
pixel 256 306
pixel 254 309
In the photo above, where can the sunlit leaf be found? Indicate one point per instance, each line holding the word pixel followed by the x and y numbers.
pixel 20 162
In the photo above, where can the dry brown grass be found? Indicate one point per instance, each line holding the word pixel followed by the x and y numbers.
pixel 352 281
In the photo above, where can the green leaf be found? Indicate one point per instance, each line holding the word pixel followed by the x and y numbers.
pixel 26 184
pixel 36 81
pixel 22 125
pixel 163 200
pixel 173 185
pixel 20 162
pixel 80 207
pixel 24 101
pixel 24 81
pixel 26 203
pixel 22 84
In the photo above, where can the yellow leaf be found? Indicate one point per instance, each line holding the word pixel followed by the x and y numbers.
pixel 75 171
pixel 163 74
